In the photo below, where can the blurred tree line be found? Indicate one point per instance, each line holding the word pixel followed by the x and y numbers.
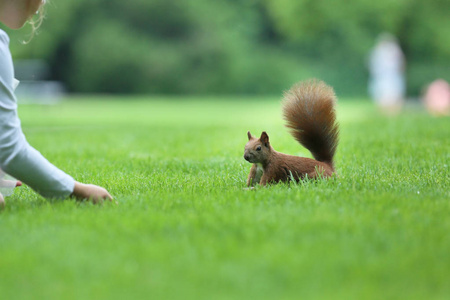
pixel 234 46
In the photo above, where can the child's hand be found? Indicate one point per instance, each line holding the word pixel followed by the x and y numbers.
pixel 10 183
pixel 91 192
pixel 7 183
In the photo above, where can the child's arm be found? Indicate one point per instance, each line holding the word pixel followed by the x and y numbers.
pixel 18 158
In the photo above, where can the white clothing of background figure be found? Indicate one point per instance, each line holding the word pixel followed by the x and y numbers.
pixel 387 65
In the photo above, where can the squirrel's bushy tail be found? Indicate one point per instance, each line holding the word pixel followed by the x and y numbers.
pixel 309 109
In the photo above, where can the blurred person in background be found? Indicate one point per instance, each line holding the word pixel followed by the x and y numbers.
pixel 387 82
pixel 17 157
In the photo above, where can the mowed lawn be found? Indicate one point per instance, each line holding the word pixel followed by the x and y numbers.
pixel 185 227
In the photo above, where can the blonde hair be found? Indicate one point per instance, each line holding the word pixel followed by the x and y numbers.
pixel 36 22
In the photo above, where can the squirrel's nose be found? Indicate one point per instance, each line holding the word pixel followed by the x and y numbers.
pixel 246 157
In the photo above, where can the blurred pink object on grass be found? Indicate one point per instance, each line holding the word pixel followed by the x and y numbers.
pixel 437 98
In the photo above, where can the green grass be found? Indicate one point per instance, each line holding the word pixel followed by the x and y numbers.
pixel 185 228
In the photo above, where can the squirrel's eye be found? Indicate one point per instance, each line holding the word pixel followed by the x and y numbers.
pixel 258 148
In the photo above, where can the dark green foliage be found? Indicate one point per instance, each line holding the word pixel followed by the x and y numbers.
pixel 341 35
pixel 242 46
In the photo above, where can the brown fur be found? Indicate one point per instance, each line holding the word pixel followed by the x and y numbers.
pixel 309 109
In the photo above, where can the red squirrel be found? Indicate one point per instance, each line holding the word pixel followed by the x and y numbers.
pixel 309 110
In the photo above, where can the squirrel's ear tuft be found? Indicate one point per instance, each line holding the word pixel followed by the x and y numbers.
pixel 249 135
pixel 264 138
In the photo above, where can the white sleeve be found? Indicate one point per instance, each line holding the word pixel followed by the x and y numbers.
pixel 17 157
